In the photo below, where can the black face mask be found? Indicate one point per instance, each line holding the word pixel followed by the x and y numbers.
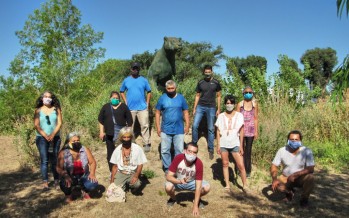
pixel 171 94
pixel 126 143
pixel 76 146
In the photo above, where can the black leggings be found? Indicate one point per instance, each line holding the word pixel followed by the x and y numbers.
pixel 110 149
pixel 247 153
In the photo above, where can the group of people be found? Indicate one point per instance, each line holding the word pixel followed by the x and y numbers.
pixel 236 127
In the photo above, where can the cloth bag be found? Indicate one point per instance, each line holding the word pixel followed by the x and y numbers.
pixel 115 194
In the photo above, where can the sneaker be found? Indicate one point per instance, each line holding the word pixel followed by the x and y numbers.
pixel 201 205
pixel 248 175
pixel 304 202
pixel 171 202
pixel 45 186
pixel 146 148
pixel 211 155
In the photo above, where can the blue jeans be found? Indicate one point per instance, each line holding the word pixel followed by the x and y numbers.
pixel 78 181
pixel 45 156
pixel 188 186
pixel 210 113
pixel 166 141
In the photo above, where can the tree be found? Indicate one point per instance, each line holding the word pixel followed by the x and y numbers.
pixel 242 64
pixel 193 56
pixel 321 62
pixel 342 5
pixel 341 80
pixel 145 59
pixel 56 49
pixel 290 75
pixel 17 99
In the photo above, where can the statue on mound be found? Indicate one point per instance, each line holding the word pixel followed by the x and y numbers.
pixel 163 66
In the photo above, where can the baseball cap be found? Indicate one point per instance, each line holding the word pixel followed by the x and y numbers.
pixel 135 64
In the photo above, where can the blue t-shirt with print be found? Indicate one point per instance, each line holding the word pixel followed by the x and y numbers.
pixel 135 92
pixel 172 113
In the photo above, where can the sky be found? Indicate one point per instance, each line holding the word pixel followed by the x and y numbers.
pixel 242 28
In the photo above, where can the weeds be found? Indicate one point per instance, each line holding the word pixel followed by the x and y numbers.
pixel 149 174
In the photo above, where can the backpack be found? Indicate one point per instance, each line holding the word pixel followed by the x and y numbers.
pixel 115 194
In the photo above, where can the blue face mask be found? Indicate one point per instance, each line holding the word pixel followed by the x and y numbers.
pixel 248 96
pixel 115 101
pixel 294 145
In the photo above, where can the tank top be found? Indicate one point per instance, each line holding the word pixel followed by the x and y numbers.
pixel 249 127
pixel 48 123
pixel 69 163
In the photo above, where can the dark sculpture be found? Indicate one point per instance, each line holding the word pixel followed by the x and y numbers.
pixel 163 66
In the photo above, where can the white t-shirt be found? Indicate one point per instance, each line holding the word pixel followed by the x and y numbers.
pixel 229 130
pixel 294 162
pixel 137 157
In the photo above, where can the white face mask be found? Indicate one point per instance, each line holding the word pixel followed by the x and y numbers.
pixel 190 157
pixel 46 101
pixel 229 107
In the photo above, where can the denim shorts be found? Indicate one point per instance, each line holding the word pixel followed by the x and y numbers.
pixel 230 150
pixel 188 186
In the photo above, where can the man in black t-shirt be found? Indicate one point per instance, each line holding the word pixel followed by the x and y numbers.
pixel 207 90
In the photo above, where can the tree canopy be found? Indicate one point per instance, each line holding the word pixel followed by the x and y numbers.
pixel 321 62
pixel 241 65
pixel 56 48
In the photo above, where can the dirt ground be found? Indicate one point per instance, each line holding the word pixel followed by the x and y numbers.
pixel 21 194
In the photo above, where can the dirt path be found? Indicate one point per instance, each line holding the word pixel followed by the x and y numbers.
pixel 21 194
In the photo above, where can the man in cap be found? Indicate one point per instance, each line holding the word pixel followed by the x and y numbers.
pixel 138 94
pixel 298 162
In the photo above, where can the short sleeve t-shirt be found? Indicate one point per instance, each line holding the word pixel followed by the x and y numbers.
pixel 208 90
pixel 135 95
pixel 294 162
pixel 229 129
pixel 137 157
pixel 172 113
pixel 181 170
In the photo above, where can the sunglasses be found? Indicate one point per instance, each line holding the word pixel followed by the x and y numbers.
pixel 48 120
pixel 248 92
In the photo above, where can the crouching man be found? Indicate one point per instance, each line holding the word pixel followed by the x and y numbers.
pixel 186 173
pixel 298 162
pixel 127 159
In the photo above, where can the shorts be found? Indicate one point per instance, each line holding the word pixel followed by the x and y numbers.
pixel 189 186
pixel 230 150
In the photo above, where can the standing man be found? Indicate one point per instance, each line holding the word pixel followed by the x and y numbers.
pixel 173 107
pixel 135 87
pixel 186 173
pixel 298 162
pixel 207 90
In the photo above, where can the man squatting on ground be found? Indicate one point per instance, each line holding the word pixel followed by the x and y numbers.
pixel 298 162
pixel 186 173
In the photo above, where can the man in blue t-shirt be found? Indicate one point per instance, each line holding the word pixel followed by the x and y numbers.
pixel 135 87
pixel 173 107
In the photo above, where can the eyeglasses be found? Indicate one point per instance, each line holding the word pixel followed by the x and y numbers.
pixel 192 152
pixel 48 120
pixel 248 92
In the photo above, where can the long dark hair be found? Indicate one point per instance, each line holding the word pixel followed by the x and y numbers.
pixel 55 102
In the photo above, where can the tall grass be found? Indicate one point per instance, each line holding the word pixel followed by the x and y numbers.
pixel 325 127
pixel 325 130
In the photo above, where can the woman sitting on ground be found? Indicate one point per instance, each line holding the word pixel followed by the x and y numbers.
pixel 76 167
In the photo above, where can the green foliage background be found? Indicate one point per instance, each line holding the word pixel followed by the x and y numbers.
pixel 83 85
